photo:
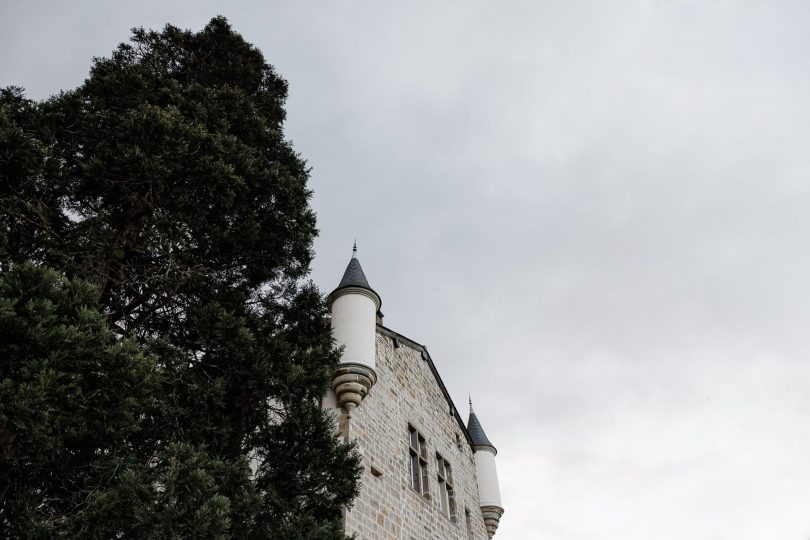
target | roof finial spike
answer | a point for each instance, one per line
(354, 249)
(471, 409)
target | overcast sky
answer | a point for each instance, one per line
(596, 215)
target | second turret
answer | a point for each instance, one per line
(489, 492)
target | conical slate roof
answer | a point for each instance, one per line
(354, 276)
(479, 438)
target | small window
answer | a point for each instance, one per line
(417, 463)
(468, 520)
(447, 495)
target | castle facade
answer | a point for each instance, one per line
(426, 475)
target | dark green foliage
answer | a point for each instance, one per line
(166, 184)
(183, 493)
(172, 157)
(73, 400)
(31, 221)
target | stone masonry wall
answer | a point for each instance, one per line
(388, 508)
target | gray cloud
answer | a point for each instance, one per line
(593, 213)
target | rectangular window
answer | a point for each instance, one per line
(468, 520)
(447, 495)
(417, 463)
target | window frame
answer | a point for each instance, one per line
(418, 476)
(447, 492)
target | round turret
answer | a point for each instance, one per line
(354, 306)
(489, 492)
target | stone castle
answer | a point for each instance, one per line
(426, 475)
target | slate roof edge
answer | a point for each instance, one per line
(426, 356)
(477, 433)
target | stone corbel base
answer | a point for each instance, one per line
(351, 383)
(492, 516)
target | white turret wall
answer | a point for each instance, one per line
(354, 324)
(488, 489)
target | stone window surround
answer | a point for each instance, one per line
(468, 520)
(418, 456)
(447, 496)
(426, 496)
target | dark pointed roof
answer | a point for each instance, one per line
(355, 277)
(479, 438)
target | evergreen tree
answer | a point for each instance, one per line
(73, 399)
(165, 182)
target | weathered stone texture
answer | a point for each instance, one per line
(388, 508)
